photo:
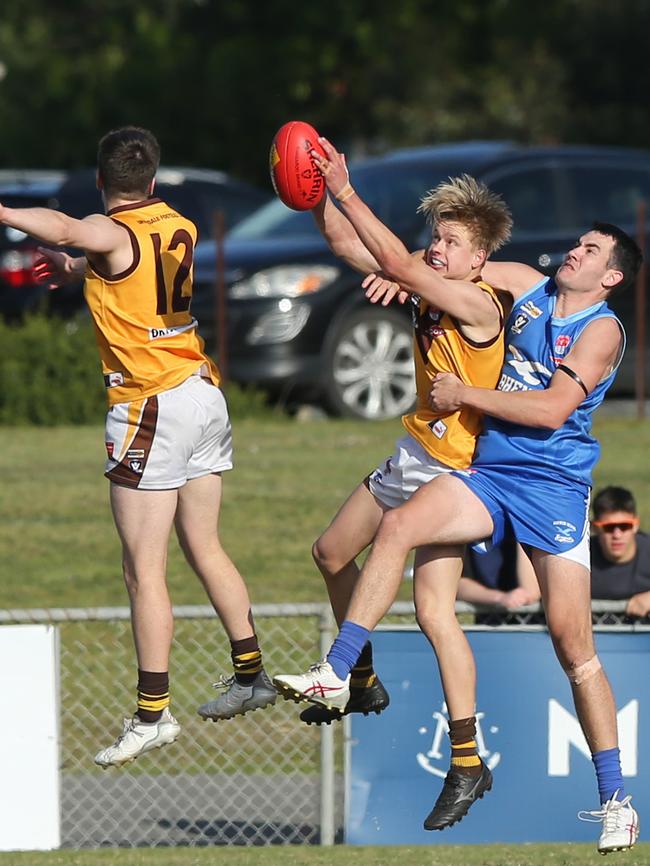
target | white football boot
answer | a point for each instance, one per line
(620, 824)
(137, 738)
(320, 685)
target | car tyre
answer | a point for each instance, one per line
(369, 371)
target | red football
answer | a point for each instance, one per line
(296, 179)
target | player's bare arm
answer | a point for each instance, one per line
(593, 357)
(463, 300)
(514, 278)
(95, 233)
(342, 238)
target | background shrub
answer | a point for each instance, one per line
(50, 375)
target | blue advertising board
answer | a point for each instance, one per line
(528, 734)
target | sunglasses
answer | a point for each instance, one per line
(622, 525)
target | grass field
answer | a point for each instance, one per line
(340, 855)
(58, 546)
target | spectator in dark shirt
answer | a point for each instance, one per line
(620, 552)
(504, 577)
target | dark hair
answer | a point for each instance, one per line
(625, 256)
(127, 161)
(613, 499)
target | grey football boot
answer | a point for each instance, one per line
(238, 698)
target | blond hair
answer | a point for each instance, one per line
(469, 202)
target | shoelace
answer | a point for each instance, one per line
(128, 725)
(224, 681)
(318, 667)
(609, 814)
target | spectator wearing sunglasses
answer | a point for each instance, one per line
(620, 552)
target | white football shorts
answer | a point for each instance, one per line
(411, 466)
(161, 442)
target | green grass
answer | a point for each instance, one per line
(340, 855)
(58, 546)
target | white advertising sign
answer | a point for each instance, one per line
(29, 744)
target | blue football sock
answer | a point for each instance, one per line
(608, 773)
(347, 647)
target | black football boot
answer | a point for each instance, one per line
(458, 793)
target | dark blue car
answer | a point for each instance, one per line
(297, 321)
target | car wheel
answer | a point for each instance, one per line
(369, 368)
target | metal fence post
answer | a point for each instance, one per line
(327, 767)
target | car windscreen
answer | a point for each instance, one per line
(392, 189)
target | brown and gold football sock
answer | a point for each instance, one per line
(246, 659)
(153, 695)
(363, 675)
(464, 753)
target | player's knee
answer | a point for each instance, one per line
(579, 673)
(434, 621)
(395, 528)
(321, 553)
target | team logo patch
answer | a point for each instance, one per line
(438, 428)
(110, 447)
(533, 311)
(114, 379)
(561, 344)
(519, 323)
(564, 532)
(136, 466)
(135, 454)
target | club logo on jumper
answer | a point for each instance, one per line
(438, 428)
(436, 760)
(114, 379)
(110, 447)
(161, 333)
(561, 344)
(136, 466)
(564, 532)
(530, 308)
(529, 373)
(519, 323)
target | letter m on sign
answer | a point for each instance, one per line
(564, 731)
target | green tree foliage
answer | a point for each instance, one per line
(216, 78)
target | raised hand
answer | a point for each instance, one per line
(334, 170)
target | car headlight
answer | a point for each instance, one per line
(285, 281)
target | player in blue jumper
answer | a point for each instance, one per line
(532, 469)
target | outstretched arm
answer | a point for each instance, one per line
(512, 277)
(593, 357)
(342, 238)
(96, 233)
(464, 300)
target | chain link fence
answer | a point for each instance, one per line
(261, 779)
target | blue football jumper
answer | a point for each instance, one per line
(539, 480)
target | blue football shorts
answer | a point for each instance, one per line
(545, 512)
